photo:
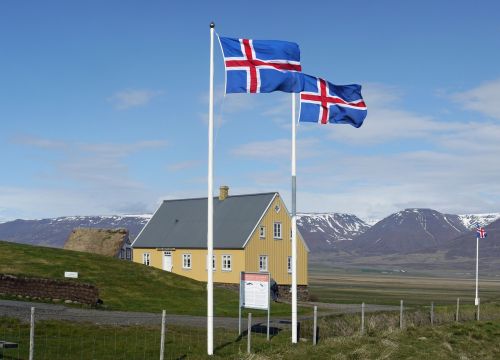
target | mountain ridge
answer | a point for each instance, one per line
(323, 231)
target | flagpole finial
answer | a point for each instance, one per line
(212, 25)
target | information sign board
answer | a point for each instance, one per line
(254, 290)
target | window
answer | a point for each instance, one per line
(277, 230)
(122, 253)
(277, 208)
(262, 232)
(289, 264)
(263, 263)
(226, 262)
(145, 259)
(128, 253)
(186, 261)
(213, 263)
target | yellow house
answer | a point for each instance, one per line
(252, 233)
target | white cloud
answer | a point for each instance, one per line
(278, 149)
(86, 179)
(45, 202)
(484, 99)
(128, 98)
(95, 166)
(183, 165)
(39, 142)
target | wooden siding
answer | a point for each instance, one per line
(276, 250)
(198, 269)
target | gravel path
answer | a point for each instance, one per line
(21, 310)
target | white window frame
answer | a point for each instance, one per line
(289, 265)
(213, 263)
(128, 253)
(262, 232)
(263, 263)
(186, 261)
(277, 234)
(146, 259)
(226, 262)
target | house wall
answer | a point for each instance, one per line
(277, 250)
(198, 269)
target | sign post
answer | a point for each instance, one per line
(255, 293)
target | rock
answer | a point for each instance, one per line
(68, 302)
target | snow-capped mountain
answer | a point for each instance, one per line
(323, 231)
(465, 245)
(54, 232)
(410, 230)
(470, 220)
(370, 220)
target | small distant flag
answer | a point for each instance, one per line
(323, 102)
(480, 232)
(261, 66)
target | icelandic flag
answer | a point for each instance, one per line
(323, 102)
(480, 232)
(261, 66)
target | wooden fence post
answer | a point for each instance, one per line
(32, 334)
(315, 335)
(401, 315)
(432, 313)
(249, 332)
(362, 318)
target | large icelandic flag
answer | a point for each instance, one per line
(323, 102)
(261, 66)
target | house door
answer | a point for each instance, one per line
(167, 260)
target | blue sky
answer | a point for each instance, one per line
(103, 106)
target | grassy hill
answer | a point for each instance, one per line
(123, 285)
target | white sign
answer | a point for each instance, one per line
(71, 274)
(254, 290)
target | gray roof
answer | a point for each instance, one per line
(183, 223)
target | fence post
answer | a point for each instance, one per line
(315, 324)
(432, 313)
(162, 341)
(362, 318)
(32, 334)
(458, 306)
(249, 332)
(401, 315)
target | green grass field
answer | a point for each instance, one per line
(339, 338)
(123, 285)
(129, 286)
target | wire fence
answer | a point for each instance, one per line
(131, 336)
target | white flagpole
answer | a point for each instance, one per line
(476, 302)
(294, 229)
(210, 201)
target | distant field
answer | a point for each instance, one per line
(376, 286)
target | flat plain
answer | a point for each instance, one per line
(388, 286)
